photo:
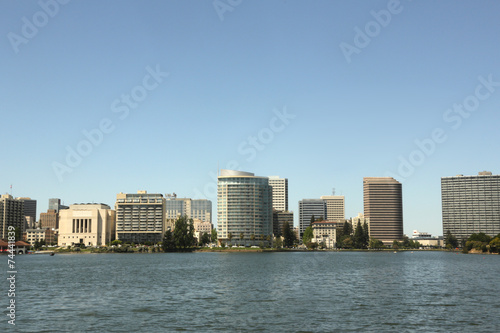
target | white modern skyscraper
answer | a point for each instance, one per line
(280, 193)
(244, 207)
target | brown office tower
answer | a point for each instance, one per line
(383, 204)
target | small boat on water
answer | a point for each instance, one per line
(52, 253)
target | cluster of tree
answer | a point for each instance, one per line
(406, 244)
(482, 242)
(451, 242)
(349, 238)
(182, 238)
(38, 244)
(289, 236)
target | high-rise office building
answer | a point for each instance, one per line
(50, 219)
(55, 204)
(309, 208)
(335, 207)
(29, 207)
(200, 209)
(279, 219)
(11, 214)
(244, 207)
(87, 224)
(383, 206)
(140, 217)
(280, 193)
(471, 204)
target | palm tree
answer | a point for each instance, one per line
(241, 237)
(230, 236)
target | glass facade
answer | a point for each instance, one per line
(244, 208)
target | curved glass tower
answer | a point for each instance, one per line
(244, 208)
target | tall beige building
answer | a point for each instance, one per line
(87, 224)
(383, 205)
(280, 193)
(335, 207)
(200, 209)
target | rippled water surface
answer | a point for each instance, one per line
(272, 292)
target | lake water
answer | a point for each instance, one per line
(247, 292)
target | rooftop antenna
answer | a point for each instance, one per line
(10, 189)
(218, 169)
(333, 191)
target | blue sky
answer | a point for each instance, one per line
(69, 68)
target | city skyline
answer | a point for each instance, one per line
(157, 96)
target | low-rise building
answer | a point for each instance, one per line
(45, 234)
(325, 232)
(88, 224)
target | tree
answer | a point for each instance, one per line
(214, 236)
(359, 237)
(252, 237)
(230, 236)
(308, 235)
(168, 244)
(116, 242)
(205, 239)
(288, 235)
(17, 234)
(347, 229)
(183, 233)
(396, 244)
(242, 235)
(376, 244)
(450, 240)
(366, 234)
(278, 243)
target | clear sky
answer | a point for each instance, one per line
(323, 93)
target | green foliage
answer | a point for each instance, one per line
(450, 241)
(17, 234)
(289, 236)
(116, 242)
(347, 242)
(480, 237)
(308, 235)
(183, 233)
(168, 244)
(495, 245)
(230, 237)
(278, 243)
(396, 244)
(376, 244)
(359, 239)
(205, 239)
(214, 236)
(347, 229)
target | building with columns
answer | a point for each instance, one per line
(87, 224)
